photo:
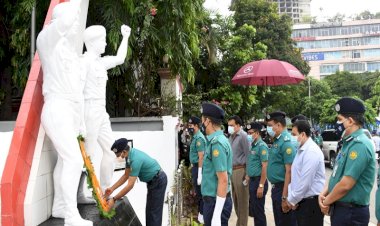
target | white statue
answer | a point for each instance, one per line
(98, 125)
(60, 117)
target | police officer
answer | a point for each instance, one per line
(257, 171)
(147, 169)
(293, 120)
(197, 148)
(281, 155)
(377, 202)
(351, 182)
(217, 168)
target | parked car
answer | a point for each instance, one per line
(332, 145)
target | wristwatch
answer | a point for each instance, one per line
(261, 185)
(284, 198)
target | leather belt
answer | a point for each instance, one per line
(279, 184)
(309, 198)
(238, 167)
(213, 199)
(155, 176)
(349, 205)
(255, 178)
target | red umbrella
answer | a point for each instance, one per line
(267, 73)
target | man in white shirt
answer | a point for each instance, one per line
(308, 177)
(98, 125)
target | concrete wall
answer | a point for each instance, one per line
(159, 144)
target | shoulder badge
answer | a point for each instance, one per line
(289, 151)
(215, 153)
(198, 143)
(263, 152)
(353, 155)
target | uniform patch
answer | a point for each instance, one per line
(263, 152)
(215, 153)
(353, 155)
(289, 151)
(198, 143)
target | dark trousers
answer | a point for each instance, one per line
(197, 188)
(350, 216)
(155, 199)
(308, 212)
(256, 205)
(208, 210)
(281, 218)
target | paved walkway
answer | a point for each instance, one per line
(270, 216)
(268, 212)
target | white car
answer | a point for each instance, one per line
(331, 145)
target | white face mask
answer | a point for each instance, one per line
(231, 129)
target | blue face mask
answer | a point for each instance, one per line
(231, 130)
(295, 142)
(250, 139)
(270, 131)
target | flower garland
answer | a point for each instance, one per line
(93, 184)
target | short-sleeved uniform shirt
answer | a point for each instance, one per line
(198, 144)
(357, 160)
(377, 205)
(142, 165)
(281, 152)
(217, 158)
(257, 155)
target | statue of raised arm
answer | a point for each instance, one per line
(99, 137)
(60, 116)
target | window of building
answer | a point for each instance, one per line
(354, 67)
(373, 66)
(328, 68)
(355, 54)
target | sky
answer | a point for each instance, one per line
(330, 7)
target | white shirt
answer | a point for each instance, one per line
(376, 139)
(307, 174)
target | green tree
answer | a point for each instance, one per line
(350, 84)
(328, 114)
(365, 15)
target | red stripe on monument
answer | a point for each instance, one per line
(19, 160)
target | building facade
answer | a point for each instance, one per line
(352, 46)
(298, 10)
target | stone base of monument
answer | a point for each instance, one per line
(125, 216)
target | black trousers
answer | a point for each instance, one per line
(155, 199)
(308, 212)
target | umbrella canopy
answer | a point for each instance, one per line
(267, 73)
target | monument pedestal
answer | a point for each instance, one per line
(125, 216)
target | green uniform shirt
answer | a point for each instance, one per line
(377, 205)
(198, 144)
(281, 152)
(217, 158)
(257, 155)
(357, 160)
(142, 165)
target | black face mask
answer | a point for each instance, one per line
(203, 129)
(339, 128)
(191, 131)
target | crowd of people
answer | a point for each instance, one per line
(236, 170)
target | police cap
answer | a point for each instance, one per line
(119, 145)
(298, 118)
(254, 126)
(194, 120)
(213, 111)
(275, 115)
(349, 105)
